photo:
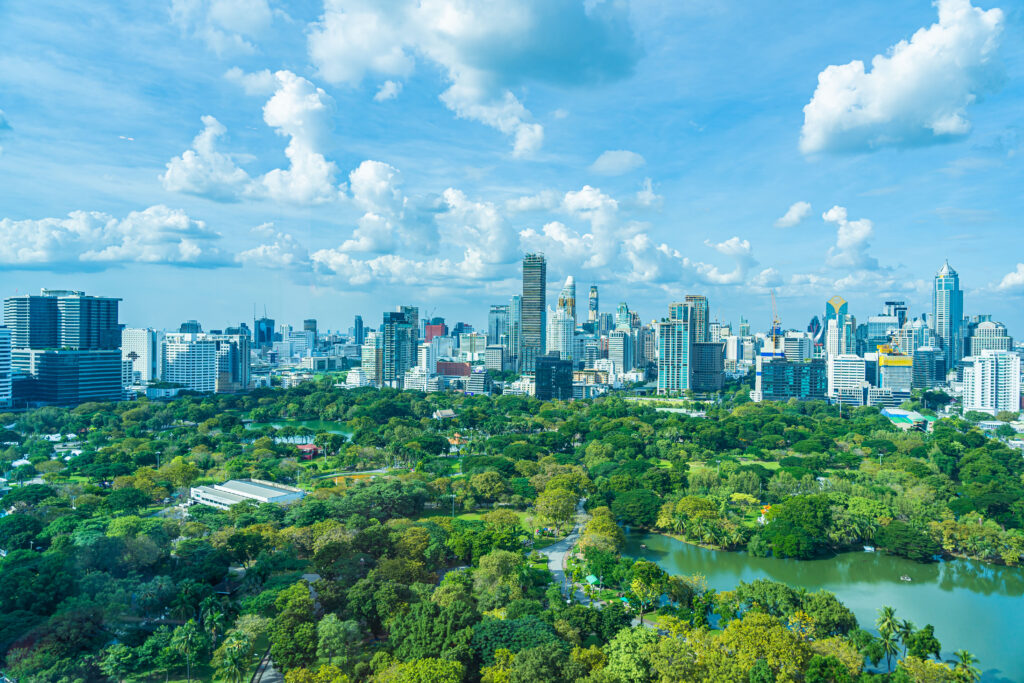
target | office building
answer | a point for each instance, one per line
(426, 357)
(593, 307)
(190, 327)
(675, 342)
(846, 378)
(495, 357)
(782, 379)
(797, 346)
(948, 313)
(926, 367)
(992, 382)
(358, 333)
(190, 360)
(620, 350)
(141, 347)
(65, 347)
(836, 309)
(6, 378)
(234, 361)
(708, 366)
(515, 331)
(552, 378)
(561, 330)
(263, 332)
(223, 496)
(372, 358)
(567, 299)
(533, 310)
(986, 335)
(698, 317)
(497, 323)
(309, 326)
(399, 344)
(895, 370)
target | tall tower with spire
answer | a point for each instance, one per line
(948, 313)
(567, 298)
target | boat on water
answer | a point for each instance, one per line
(643, 546)
(905, 578)
(869, 548)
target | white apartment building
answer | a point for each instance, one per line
(992, 382)
(141, 346)
(846, 377)
(190, 360)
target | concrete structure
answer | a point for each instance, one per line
(992, 382)
(553, 378)
(223, 496)
(593, 305)
(141, 347)
(948, 313)
(846, 378)
(371, 358)
(533, 324)
(567, 299)
(986, 335)
(497, 323)
(495, 358)
(707, 362)
(895, 370)
(699, 313)
(561, 330)
(675, 342)
(6, 395)
(783, 379)
(620, 350)
(797, 346)
(190, 360)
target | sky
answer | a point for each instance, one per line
(202, 159)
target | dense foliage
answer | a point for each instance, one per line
(428, 572)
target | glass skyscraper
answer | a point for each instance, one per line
(533, 314)
(948, 313)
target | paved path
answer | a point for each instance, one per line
(266, 673)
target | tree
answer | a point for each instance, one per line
(890, 644)
(18, 531)
(233, 657)
(637, 507)
(648, 583)
(335, 637)
(188, 642)
(118, 662)
(556, 506)
(923, 644)
(426, 670)
(965, 665)
(629, 654)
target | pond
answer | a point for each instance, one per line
(972, 605)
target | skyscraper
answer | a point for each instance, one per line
(515, 331)
(835, 309)
(567, 299)
(142, 347)
(497, 323)
(399, 346)
(309, 325)
(6, 397)
(560, 334)
(948, 313)
(593, 308)
(992, 382)
(263, 330)
(358, 332)
(675, 343)
(534, 319)
(699, 317)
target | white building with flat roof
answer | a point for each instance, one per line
(223, 496)
(5, 367)
(992, 382)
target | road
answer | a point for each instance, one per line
(558, 553)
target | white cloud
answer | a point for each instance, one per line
(617, 162)
(476, 226)
(376, 187)
(485, 50)
(284, 253)
(256, 83)
(557, 237)
(297, 110)
(388, 91)
(794, 214)
(918, 93)
(545, 200)
(739, 250)
(850, 250)
(88, 240)
(224, 25)
(1012, 281)
(646, 196)
(204, 171)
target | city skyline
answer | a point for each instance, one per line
(283, 170)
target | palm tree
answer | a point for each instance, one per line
(887, 622)
(890, 646)
(187, 640)
(906, 630)
(965, 664)
(236, 653)
(214, 619)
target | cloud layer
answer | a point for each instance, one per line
(918, 93)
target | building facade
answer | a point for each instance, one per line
(992, 382)
(533, 329)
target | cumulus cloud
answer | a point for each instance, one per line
(646, 196)
(284, 252)
(739, 250)
(617, 162)
(256, 83)
(297, 110)
(388, 91)
(205, 171)
(918, 93)
(485, 49)
(850, 250)
(226, 26)
(1012, 281)
(89, 240)
(794, 214)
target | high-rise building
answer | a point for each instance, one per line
(987, 335)
(399, 344)
(836, 309)
(263, 332)
(65, 347)
(797, 346)
(533, 309)
(190, 327)
(412, 316)
(992, 382)
(593, 308)
(515, 330)
(372, 358)
(620, 350)
(358, 333)
(234, 361)
(552, 378)
(567, 299)
(895, 370)
(926, 360)
(707, 360)
(497, 323)
(494, 357)
(190, 359)
(605, 323)
(309, 325)
(846, 378)
(782, 379)
(675, 345)
(898, 310)
(426, 357)
(141, 347)
(948, 313)
(6, 395)
(561, 330)
(623, 319)
(699, 317)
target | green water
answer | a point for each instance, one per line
(972, 605)
(315, 425)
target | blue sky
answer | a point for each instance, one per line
(200, 157)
